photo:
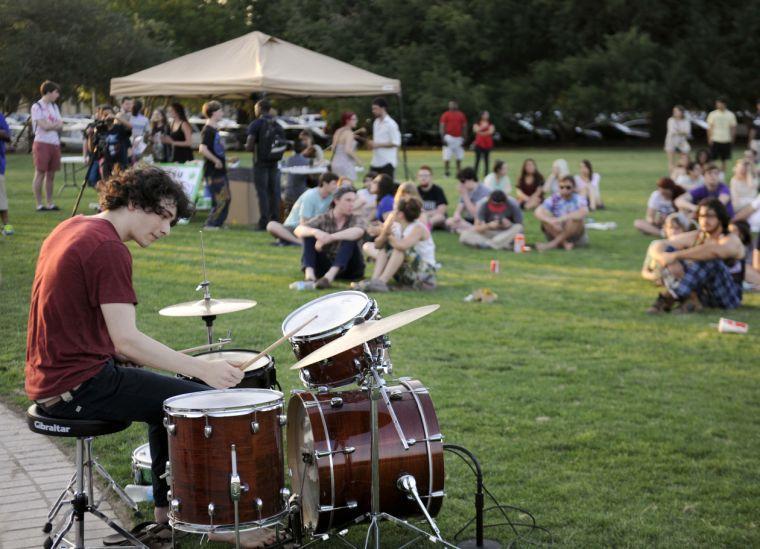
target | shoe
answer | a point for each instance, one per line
(376, 285)
(663, 304)
(322, 283)
(41, 208)
(8, 230)
(52, 208)
(211, 228)
(361, 285)
(689, 305)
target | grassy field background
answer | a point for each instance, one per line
(612, 427)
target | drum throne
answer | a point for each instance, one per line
(80, 488)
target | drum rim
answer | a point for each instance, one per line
(210, 412)
(334, 330)
(136, 461)
(224, 528)
(254, 352)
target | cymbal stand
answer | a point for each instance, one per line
(205, 285)
(406, 483)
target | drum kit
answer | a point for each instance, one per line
(360, 446)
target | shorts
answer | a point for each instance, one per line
(720, 151)
(416, 273)
(47, 157)
(453, 146)
(677, 145)
(3, 194)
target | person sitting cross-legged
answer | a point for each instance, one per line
(498, 221)
(330, 242)
(702, 267)
(470, 194)
(562, 217)
(410, 257)
(311, 203)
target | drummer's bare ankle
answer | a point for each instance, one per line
(161, 514)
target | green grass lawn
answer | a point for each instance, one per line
(612, 427)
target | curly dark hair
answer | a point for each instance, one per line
(145, 188)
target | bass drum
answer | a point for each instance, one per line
(329, 454)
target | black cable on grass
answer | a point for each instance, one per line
(469, 459)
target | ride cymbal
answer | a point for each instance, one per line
(364, 332)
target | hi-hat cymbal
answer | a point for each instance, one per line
(209, 307)
(366, 331)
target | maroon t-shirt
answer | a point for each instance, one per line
(82, 264)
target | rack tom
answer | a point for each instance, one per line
(337, 313)
(203, 429)
(329, 454)
(259, 375)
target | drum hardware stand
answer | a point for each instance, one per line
(376, 388)
(235, 490)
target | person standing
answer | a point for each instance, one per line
(344, 160)
(721, 132)
(483, 130)
(46, 123)
(5, 136)
(453, 129)
(386, 139)
(677, 138)
(754, 131)
(215, 167)
(264, 138)
(180, 134)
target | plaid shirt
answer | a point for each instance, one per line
(326, 223)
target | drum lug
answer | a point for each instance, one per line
(167, 471)
(347, 450)
(283, 419)
(411, 441)
(211, 510)
(254, 427)
(175, 506)
(396, 394)
(322, 389)
(350, 504)
(336, 402)
(170, 427)
(305, 374)
(207, 431)
(285, 493)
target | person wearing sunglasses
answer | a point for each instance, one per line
(562, 217)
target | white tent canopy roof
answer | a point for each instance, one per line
(255, 62)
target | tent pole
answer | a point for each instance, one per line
(401, 125)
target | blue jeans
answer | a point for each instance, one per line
(349, 259)
(267, 182)
(219, 187)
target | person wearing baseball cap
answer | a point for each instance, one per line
(498, 221)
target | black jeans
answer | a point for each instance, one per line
(481, 153)
(130, 394)
(349, 259)
(387, 168)
(267, 182)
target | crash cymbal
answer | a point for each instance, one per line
(366, 331)
(208, 307)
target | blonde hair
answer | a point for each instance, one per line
(562, 167)
(406, 190)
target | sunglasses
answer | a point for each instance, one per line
(565, 187)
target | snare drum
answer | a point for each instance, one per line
(329, 454)
(259, 375)
(141, 461)
(212, 433)
(337, 313)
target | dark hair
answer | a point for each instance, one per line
(380, 102)
(263, 106)
(482, 115)
(466, 174)
(497, 196)
(497, 165)
(569, 178)
(720, 210)
(327, 177)
(745, 233)
(164, 121)
(720, 100)
(137, 108)
(49, 86)
(298, 146)
(339, 194)
(210, 107)
(701, 152)
(670, 185)
(426, 167)
(411, 207)
(126, 98)
(690, 166)
(180, 110)
(538, 178)
(711, 167)
(145, 188)
(385, 185)
(588, 165)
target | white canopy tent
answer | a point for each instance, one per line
(255, 62)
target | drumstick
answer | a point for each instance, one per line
(290, 334)
(206, 347)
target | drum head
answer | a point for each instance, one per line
(141, 456)
(334, 310)
(229, 402)
(305, 475)
(237, 357)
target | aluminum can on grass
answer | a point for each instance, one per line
(495, 268)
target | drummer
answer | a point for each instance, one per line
(82, 318)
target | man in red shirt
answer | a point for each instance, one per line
(453, 129)
(82, 318)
